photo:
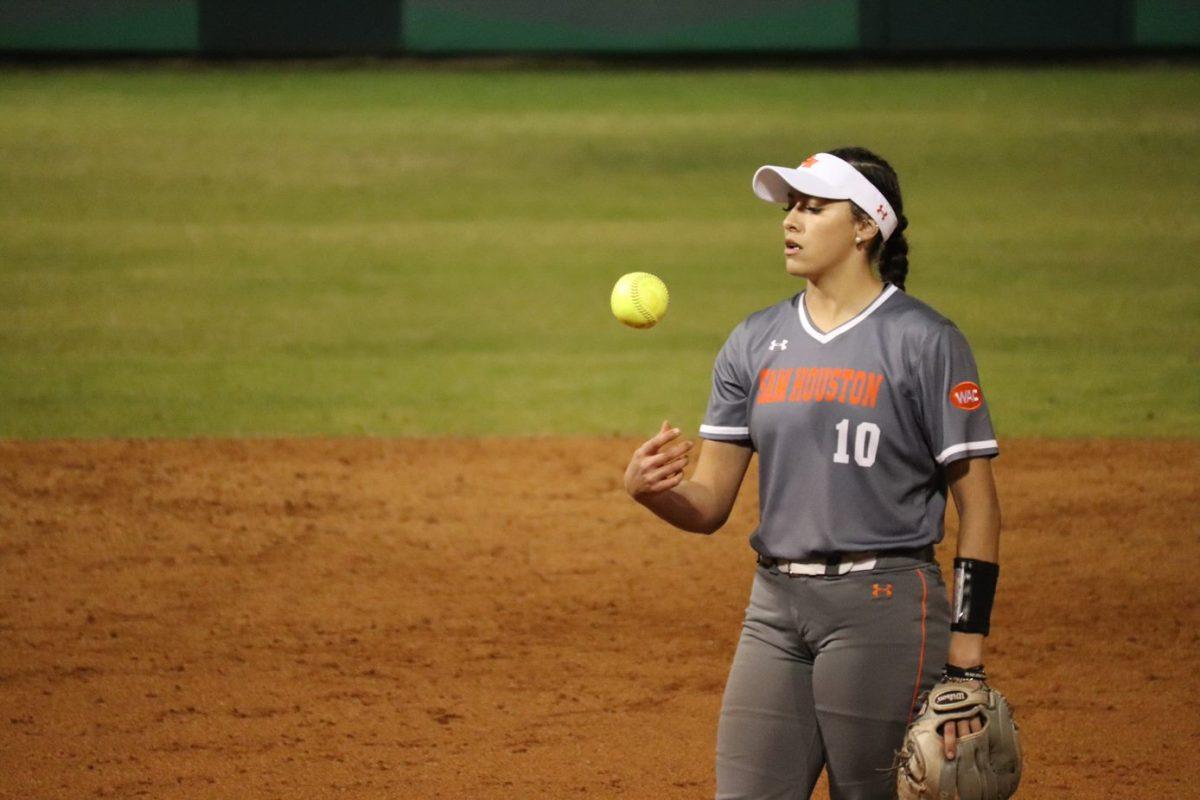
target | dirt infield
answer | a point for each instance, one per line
(495, 619)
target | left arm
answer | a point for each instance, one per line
(974, 490)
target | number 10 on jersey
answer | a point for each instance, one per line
(866, 443)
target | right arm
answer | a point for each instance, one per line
(700, 504)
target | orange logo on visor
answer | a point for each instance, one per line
(967, 396)
(808, 162)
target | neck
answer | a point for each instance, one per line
(839, 294)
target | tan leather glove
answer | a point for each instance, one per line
(988, 765)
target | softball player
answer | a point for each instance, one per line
(864, 407)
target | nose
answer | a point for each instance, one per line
(793, 218)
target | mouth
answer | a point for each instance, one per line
(790, 247)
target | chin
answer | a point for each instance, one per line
(796, 270)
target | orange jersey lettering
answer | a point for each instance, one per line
(854, 387)
(773, 385)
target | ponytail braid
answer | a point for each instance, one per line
(890, 257)
(893, 256)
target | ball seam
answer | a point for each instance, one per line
(637, 303)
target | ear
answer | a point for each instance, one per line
(866, 228)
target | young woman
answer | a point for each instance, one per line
(864, 407)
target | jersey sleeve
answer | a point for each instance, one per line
(954, 410)
(727, 418)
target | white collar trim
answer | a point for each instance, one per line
(823, 338)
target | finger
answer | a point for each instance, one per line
(655, 461)
(664, 475)
(666, 470)
(680, 448)
(655, 441)
(976, 724)
(663, 456)
(950, 740)
(665, 435)
(668, 483)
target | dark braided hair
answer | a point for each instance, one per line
(891, 257)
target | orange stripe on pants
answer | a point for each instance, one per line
(921, 657)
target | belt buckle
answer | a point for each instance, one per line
(845, 563)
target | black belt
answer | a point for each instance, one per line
(833, 561)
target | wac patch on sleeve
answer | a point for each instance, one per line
(967, 396)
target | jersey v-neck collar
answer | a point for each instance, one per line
(824, 338)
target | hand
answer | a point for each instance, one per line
(954, 730)
(965, 648)
(655, 467)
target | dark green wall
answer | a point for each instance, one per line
(1166, 23)
(147, 26)
(307, 27)
(434, 26)
(995, 25)
(392, 27)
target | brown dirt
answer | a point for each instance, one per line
(495, 619)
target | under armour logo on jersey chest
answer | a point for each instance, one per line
(778, 344)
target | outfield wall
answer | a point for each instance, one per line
(444, 27)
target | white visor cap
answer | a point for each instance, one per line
(828, 177)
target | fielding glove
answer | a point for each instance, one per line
(988, 762)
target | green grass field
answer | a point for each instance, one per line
(403, 250)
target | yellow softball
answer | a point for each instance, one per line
(639, 299)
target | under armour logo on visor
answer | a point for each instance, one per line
(882, 214)
(778, 345)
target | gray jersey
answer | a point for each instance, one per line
(852, 427)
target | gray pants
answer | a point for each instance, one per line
(826, 674)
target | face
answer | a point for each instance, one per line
(818, 234)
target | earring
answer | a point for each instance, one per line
(858, 240)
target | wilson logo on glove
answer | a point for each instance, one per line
(950, 697)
